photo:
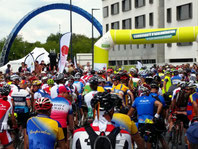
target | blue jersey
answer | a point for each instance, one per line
(175, 79)
(161, 98)
(145, 108)
(43, 132)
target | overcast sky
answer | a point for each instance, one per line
(41, 26)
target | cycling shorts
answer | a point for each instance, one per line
(5, 138)
(184, 119)
(22, 119)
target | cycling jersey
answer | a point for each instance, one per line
(43, 132)
(168, 84)
(20, 97)
(190, 111)
(161, 98)
(60, 110)
(81, 138)
(54, 90)
(175, 79)
(79, 85)
(88, 98)
(5, 109)
(100, 89)
(124, 122)
(145, 108)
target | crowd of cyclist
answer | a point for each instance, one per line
(100, 109)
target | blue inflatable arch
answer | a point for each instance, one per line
(29, 16)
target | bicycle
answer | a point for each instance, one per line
(175, 131)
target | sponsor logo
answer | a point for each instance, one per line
(166, 34)
(105, 46)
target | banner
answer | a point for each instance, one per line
(64, 49)
(29, 60)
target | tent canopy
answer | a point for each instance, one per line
(38, 54)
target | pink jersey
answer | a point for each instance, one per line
(60, 110)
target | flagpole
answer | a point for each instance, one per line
(71, 56)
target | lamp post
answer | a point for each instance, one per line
(92, 30)
(71, 30)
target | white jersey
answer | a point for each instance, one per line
(88, 97)
(174, 92)
(81, 138)
(54, 90)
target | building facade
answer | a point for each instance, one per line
(150, 14)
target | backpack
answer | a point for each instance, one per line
(102, 141)
(44, 94)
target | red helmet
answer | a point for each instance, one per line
(43, 104)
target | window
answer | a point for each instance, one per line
(144, 45)
(140, 21)
(126, 5)
(105, 11)
(184, 12)
(152, 45)
(184, 44)
(125, 62)
(139, 3)
(112, 63)
(150, 1)
(181, 60)
(169, 15)
(169, 44)
(115, 8)
(124, 47)
(151, 19)
(119, 63)
(115, 25)
(126, 24)
(138, 46)
(107, 27)
(144, 61)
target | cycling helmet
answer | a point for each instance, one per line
(44, 78)
(143, 89)
(14, 77)
(50, 82)
(100, 79)
(5, 90)
(77, 75)
(133, 70)
(143, 73)
(36, 82)
(180, 70)
(93, 80)
(191, 85)
(154, 85)
(116, 78)
(124, 76)
(43, 104)
(105, 101)
(59, 76)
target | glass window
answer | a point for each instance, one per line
(139, 3)
(126, 24)
(140, 21)
(126, 5)
(184, 44)
(125, 62)
(115, 25)
(105, 11)
(184, 12)
(151, 19)
(169, 15)
(112, 63)
(169, 44)
(115, 8)
(151, 1)
(107, 27)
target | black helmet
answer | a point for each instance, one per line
(93, 80)
(106, 101)
(5, 90)
(59, 76)
(154, 85)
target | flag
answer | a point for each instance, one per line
(64, 49)
(29, 60)
(139, 65)
(75, 62)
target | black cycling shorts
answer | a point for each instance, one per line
(22, 119)
(184, 119)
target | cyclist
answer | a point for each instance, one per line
(59, 79)
(6, 108)
(101, 84)
(62, 110)
(89, 96)
(104, 103)
(145, 108)
(175, 78)
(167, 82)
(50, 83)
(42, 131)
(15, 82)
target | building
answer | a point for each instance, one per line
(150, 14)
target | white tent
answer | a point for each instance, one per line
(38, 54)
